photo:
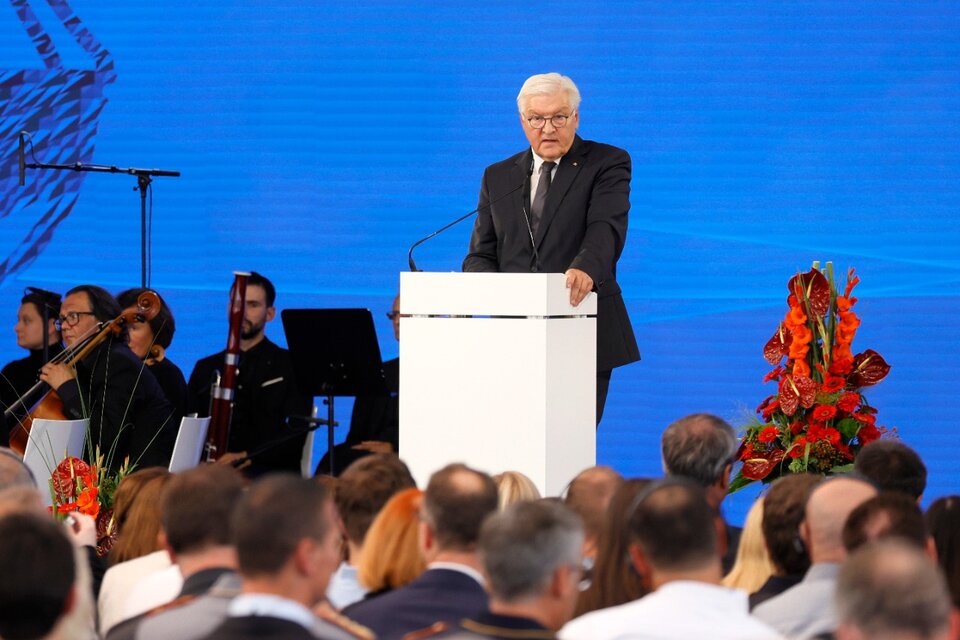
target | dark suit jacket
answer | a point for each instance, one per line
(126, 407)
(584, 226)
(259, 628)
(439, 595)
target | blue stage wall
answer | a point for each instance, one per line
(318, 140)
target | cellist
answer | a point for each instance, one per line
(129, 414)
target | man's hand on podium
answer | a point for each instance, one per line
(580, 284)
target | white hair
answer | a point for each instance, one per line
(547, 84)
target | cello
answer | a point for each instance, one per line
(50, 406)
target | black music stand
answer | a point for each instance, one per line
(335, 353)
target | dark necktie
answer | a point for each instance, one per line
(540, 198)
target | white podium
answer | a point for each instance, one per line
(497, 371)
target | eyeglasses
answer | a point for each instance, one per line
(558, 121)
(393, 315)
(71, 319)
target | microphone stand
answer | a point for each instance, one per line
(144, 178)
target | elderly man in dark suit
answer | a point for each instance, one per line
(570, 217)
(455, 504)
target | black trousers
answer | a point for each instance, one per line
(603, 385)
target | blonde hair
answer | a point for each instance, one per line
(513, 486)
(753, 566)
(391, 555)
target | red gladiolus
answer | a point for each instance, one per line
(868, 433)
(833, 383)
(770, 408)
(797, 427)
(773, 375)
(865, 418)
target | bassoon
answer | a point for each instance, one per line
(222, 393)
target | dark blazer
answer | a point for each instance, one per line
(259, 628)
(126, 407)
(584, 226)
(439, 595)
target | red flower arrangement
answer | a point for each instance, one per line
(818, 420)
(78, 486)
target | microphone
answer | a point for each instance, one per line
(413, 265)
(22, 165)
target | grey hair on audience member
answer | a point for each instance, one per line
(698, 447)
(13, 472)
(547, 84)
(888, 587)
(521, 546)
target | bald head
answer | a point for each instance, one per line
(455, 503)
(827, 510)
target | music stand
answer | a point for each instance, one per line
(335, 353)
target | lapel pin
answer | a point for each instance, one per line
(575, 163)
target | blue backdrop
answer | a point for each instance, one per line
(318, 140)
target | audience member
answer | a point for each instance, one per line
(39, 569)
(391, 555)
(362, 490)
(889, 590)
(531, 555)
(589, 496)
(783, 508)
(614, 580)
(806, 610)
(455, 503)
(195, 513)
(288, 546)
(887, 515)
(702, 448)
(137, 552)
(13, 472)
(752, 568)
(892, 466)
(675, 547)
(513, 486)
(943, 524)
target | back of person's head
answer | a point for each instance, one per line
(522, 546)
(783, 511)
(455, 504)
(391, 554)
(196, 506)
(698, 447)
(137, 514)
(890, 589)
(13, 472)
(103, 305)
(37, 562)
(259, 280)
(674, 527)
(752, 566)
(365, 486)
(892, 466)
(886, 515)
(943, 524)
(589, 496)
(827, 509)
(513, 486)
(614, 579)
(162, 324)
(271, 519)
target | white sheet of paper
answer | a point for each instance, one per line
(49, 443)
(189, 445)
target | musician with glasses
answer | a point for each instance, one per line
(18, 376)
(571, 216)
(128, 412)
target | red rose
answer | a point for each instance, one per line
(768, 434)
(824, 412)
(848, 402)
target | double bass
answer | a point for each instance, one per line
(50, 406)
